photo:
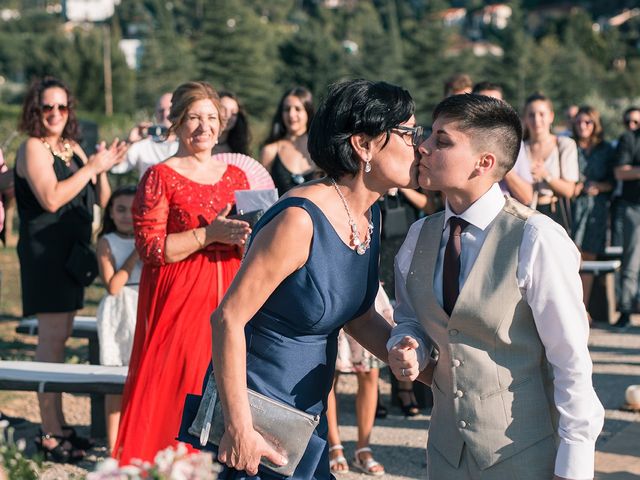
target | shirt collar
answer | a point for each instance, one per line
(482, 212)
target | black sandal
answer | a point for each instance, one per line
(410, 408)
(81, 443)
(59, 454)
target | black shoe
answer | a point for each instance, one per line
(81, 443)
(63, 452)
(623, 322)
(410, 407)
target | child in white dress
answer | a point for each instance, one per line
(120, 271)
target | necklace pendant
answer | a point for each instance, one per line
(361, 249)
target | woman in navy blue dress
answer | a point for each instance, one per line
(311, 269)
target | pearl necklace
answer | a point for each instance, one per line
(361, 247)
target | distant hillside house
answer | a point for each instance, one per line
(132, 50)
(453, 17)
(496, 15)
(89, 10)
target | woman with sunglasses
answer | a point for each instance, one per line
(56, 187)
(311, 268)
(591, 205)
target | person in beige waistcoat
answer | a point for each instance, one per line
(489, 291)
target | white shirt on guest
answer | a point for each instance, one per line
(548, 277)
(144, 154)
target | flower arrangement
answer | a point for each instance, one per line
(13, 463)
(172, 463)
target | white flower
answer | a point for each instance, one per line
(164, 459)
(21, 444)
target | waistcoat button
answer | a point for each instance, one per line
(456, 362)
(462, 424)
(459, 393)
(453, 332)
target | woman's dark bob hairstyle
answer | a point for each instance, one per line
(352, 107)
(31, 118)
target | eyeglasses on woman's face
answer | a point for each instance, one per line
(417, 134)
(48, 108)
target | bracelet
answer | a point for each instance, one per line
(195, 235)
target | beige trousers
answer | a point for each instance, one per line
(534, 463)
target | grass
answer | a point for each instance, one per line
(14, 346)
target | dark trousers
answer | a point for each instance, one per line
(630, 259)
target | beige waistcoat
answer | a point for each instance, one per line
(492, 386)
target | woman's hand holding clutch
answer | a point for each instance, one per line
(243, 450)
(224, 230)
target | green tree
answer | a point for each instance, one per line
(511, 70)
(313, 58)
(167, 61)
(236, 51)
(426, 59)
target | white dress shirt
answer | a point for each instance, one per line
(145, 154)
(548, 277)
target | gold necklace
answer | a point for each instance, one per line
(65, 155)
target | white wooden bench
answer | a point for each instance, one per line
(61, 377)
(602, 304)
(96, 380)
(83, 327)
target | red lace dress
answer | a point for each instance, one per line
(172, 344)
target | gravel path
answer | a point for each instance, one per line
(397, 442)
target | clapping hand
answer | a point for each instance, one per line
(403, 359)
(106, 157)
(225, 230)
(243, 451)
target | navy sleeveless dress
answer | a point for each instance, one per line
(292, 340)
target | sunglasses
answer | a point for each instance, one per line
(49, 108)
(417, 134)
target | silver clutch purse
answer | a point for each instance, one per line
(285, 428)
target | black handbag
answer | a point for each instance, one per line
(82, 264)
(251, 217)
(395, 215)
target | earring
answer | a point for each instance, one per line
(367, 166)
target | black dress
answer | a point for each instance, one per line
(284, 179)
(45, 244)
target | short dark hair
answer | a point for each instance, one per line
(625, 114)
(31, 118)
(352, 107)
(484, 86)
(278, 130)
(494, 123)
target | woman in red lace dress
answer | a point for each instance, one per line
(190, 252)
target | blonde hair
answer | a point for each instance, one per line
(186, 95)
